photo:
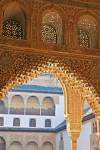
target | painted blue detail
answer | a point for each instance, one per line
(12, 129)
(37, 88)
(61, 126)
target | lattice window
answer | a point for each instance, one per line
(12, 29)
(47, 123)
(16, 122)
(49, 34)
(87, 31)
(32, 123)
(83, 39)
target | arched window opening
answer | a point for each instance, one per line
(47, 123)
(12, 29)
(2, 144)
(33, 106)
(32, 146)
(52, 28)
(87, 32)
(16, 122)
(14, 22)
(32, 123)
(48, 107)
(1, 121)
(15, 146)
(17, 105)
(47, 146)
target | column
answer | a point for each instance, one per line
(74, 144)
(74, 133)
(74, 115)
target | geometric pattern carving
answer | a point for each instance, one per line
(12, 29)
(49, 34)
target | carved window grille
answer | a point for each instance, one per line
(32, 123)
(87, 34)
(12, 29)
(47, 123)
(83, 39)
(49, 34)
(16, 122)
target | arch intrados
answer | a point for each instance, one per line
(53, 12)
(9, 11)
(32, 142)
(88, 18)
(33, 98)
(17, 96)
(48, 9)
(47, 142)
(15, 142)
(22, 5)
(91, 16)
(48, 97)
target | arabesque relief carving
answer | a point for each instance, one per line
(77, 68)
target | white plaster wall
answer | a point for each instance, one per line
(66, 138)
(24, 120)
(59, 111)
(84, 139)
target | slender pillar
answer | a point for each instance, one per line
(74, 114)
(74, 137)
(74, 145)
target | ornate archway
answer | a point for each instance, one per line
(71, 71)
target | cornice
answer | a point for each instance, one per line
(89, 54)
